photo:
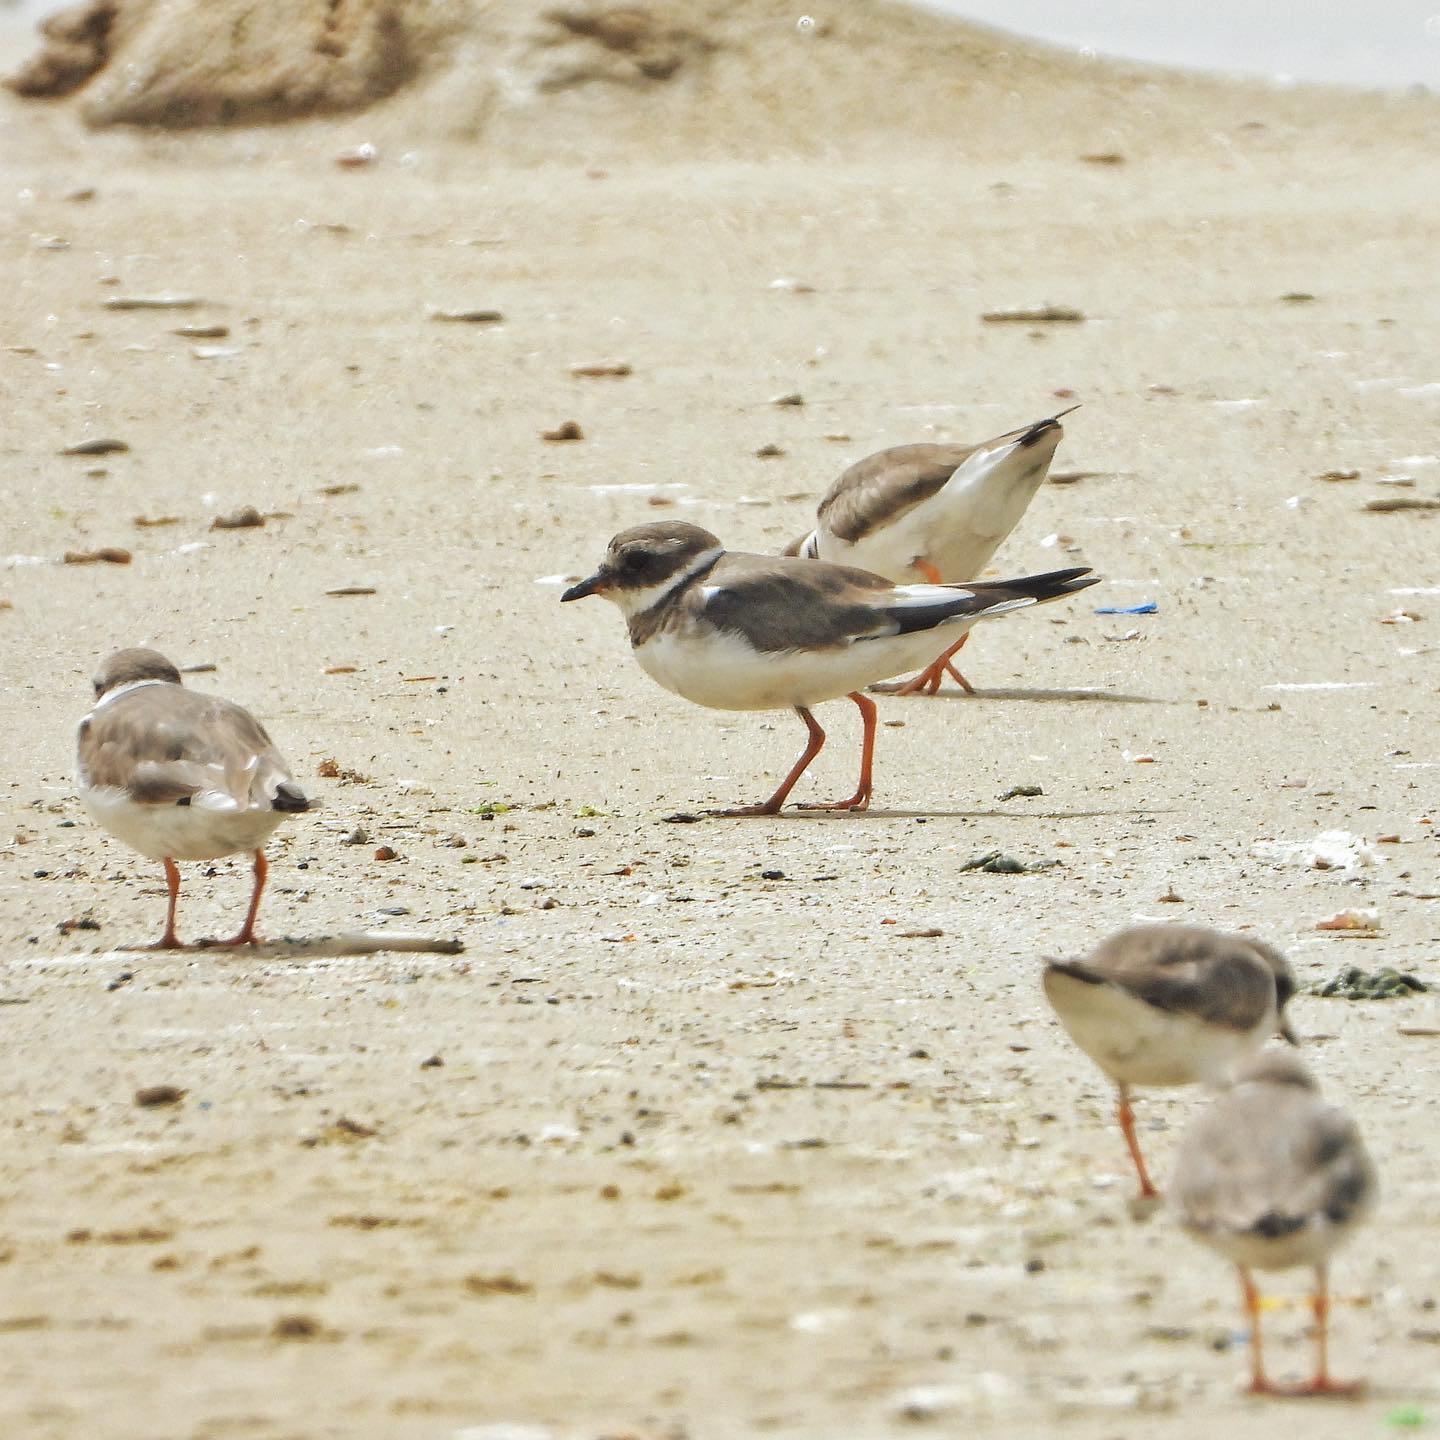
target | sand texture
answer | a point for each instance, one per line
(739, 1127)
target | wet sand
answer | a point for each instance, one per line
(709, 1154)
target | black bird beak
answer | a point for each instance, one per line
(592, 585)
(1287, 1030)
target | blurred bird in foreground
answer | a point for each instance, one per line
(1170, 1005)
(1271, 1177)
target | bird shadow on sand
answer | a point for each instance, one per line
(310, 947)
(859, 816)
(1078, 695)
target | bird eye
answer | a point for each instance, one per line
(631, 562)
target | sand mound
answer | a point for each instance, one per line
(625, 45)
(214, 62)
(587, 81)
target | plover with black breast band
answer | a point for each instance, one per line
(735, 631)
(1170, 1005)
(935, 513)
(180, 776)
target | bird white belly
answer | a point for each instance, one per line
(1310, 1245)
(721, 671)
(182, 832)
(958, 529)
(1136, 1044)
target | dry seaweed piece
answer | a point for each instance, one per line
(1353, 983)
(164, 301)
(1036, 315)
(106, 555)
(602, 368)
(1386, 504)
(468, 317)
(96, 447)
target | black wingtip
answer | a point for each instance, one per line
(1056, 582)
(290, 798)
(1041, 428)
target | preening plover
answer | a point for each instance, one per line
(935, 513)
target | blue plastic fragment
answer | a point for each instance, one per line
(1148, 608)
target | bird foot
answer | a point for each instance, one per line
(927, 682)
(740, 812)
(1145, 1204)
(855, 804)
(922, 684)
(245, 937)
(1321, 1387)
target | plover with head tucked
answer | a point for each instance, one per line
(1170, 1005)
(180, 776)
(762, 632)
(935, 513)
(1272, 1177)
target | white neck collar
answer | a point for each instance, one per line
(129, 685)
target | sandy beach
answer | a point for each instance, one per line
(738, 1127)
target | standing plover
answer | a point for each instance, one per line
(935, 513)
(180, 776)
(763, 632)
(1170, 1005)
(1271, 1177)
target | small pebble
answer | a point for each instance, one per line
(151, 1096)
(245, 518)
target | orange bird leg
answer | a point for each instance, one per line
(860, 800)
(1259, 1385)
(1322, 1384)
(247, 930)
(928, 680)
(169, 940)
(813, 743)
(1126, 1116)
